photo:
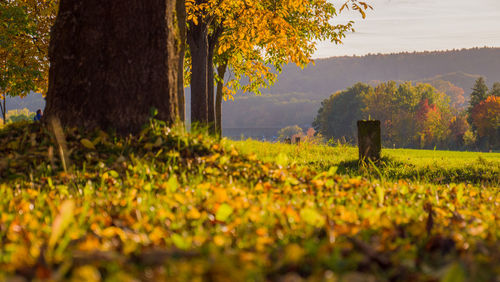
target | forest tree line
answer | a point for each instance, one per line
(452, 72)
(415, 115)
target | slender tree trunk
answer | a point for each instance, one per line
(221, 71)
(181, 17)
(211, 86)
(197, 37)
(4, 109)
(112, 61)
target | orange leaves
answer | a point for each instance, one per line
(486, 116)
(356, 5)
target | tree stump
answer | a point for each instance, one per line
(369, 141)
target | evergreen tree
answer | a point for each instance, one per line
(479, 93)
(495, 90)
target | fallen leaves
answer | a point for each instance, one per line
(260, 220)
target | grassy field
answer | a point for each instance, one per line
(431, 166)
(166, 205)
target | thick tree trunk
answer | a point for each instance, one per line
(221, 71)
(112, 61)
(197, 37)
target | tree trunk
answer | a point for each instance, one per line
(197, 37)
(221, 71)
(211, 86)
(181, 17)
(112, 61)
(4, 109)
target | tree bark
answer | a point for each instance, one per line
(197, 37)
(221, 71)
(4, 109)
(181, 18)
(211, 81)
(112, 61)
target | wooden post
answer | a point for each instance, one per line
(369, 141)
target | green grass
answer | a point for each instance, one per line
(430, 166)
(168, 205)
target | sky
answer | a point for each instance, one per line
(418, 25)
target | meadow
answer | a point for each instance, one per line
(426, 166)
(167, 205)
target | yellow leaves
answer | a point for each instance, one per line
(89, 244)
(318, 183)
(312, 217)
(262, 231)
(157, 235)
(219, 240)
(234, 153)
(172, 184)
(21, 258)
(293, 253)
(180, 198)
(87, 144)
(181, 242)
(223, 212)
(293, 216)
(220, 195)
(113, 231)
(86, 273)
(193, 213)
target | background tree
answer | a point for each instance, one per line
(280, 31)
(104, 75)
(432, 129)
(41, 14)
(479, 94)
(486, 119)
(19, 115)
(411, 115)
(19, 67)
(458, 129)
(289, 132)
(338, 114)
(456, 94)
(495, 90)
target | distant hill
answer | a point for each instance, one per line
(316, 82)
(298, 93)
(460, 79)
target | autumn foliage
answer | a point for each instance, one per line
(416, 116)
(486, 118)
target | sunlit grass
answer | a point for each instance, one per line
(433, 166)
